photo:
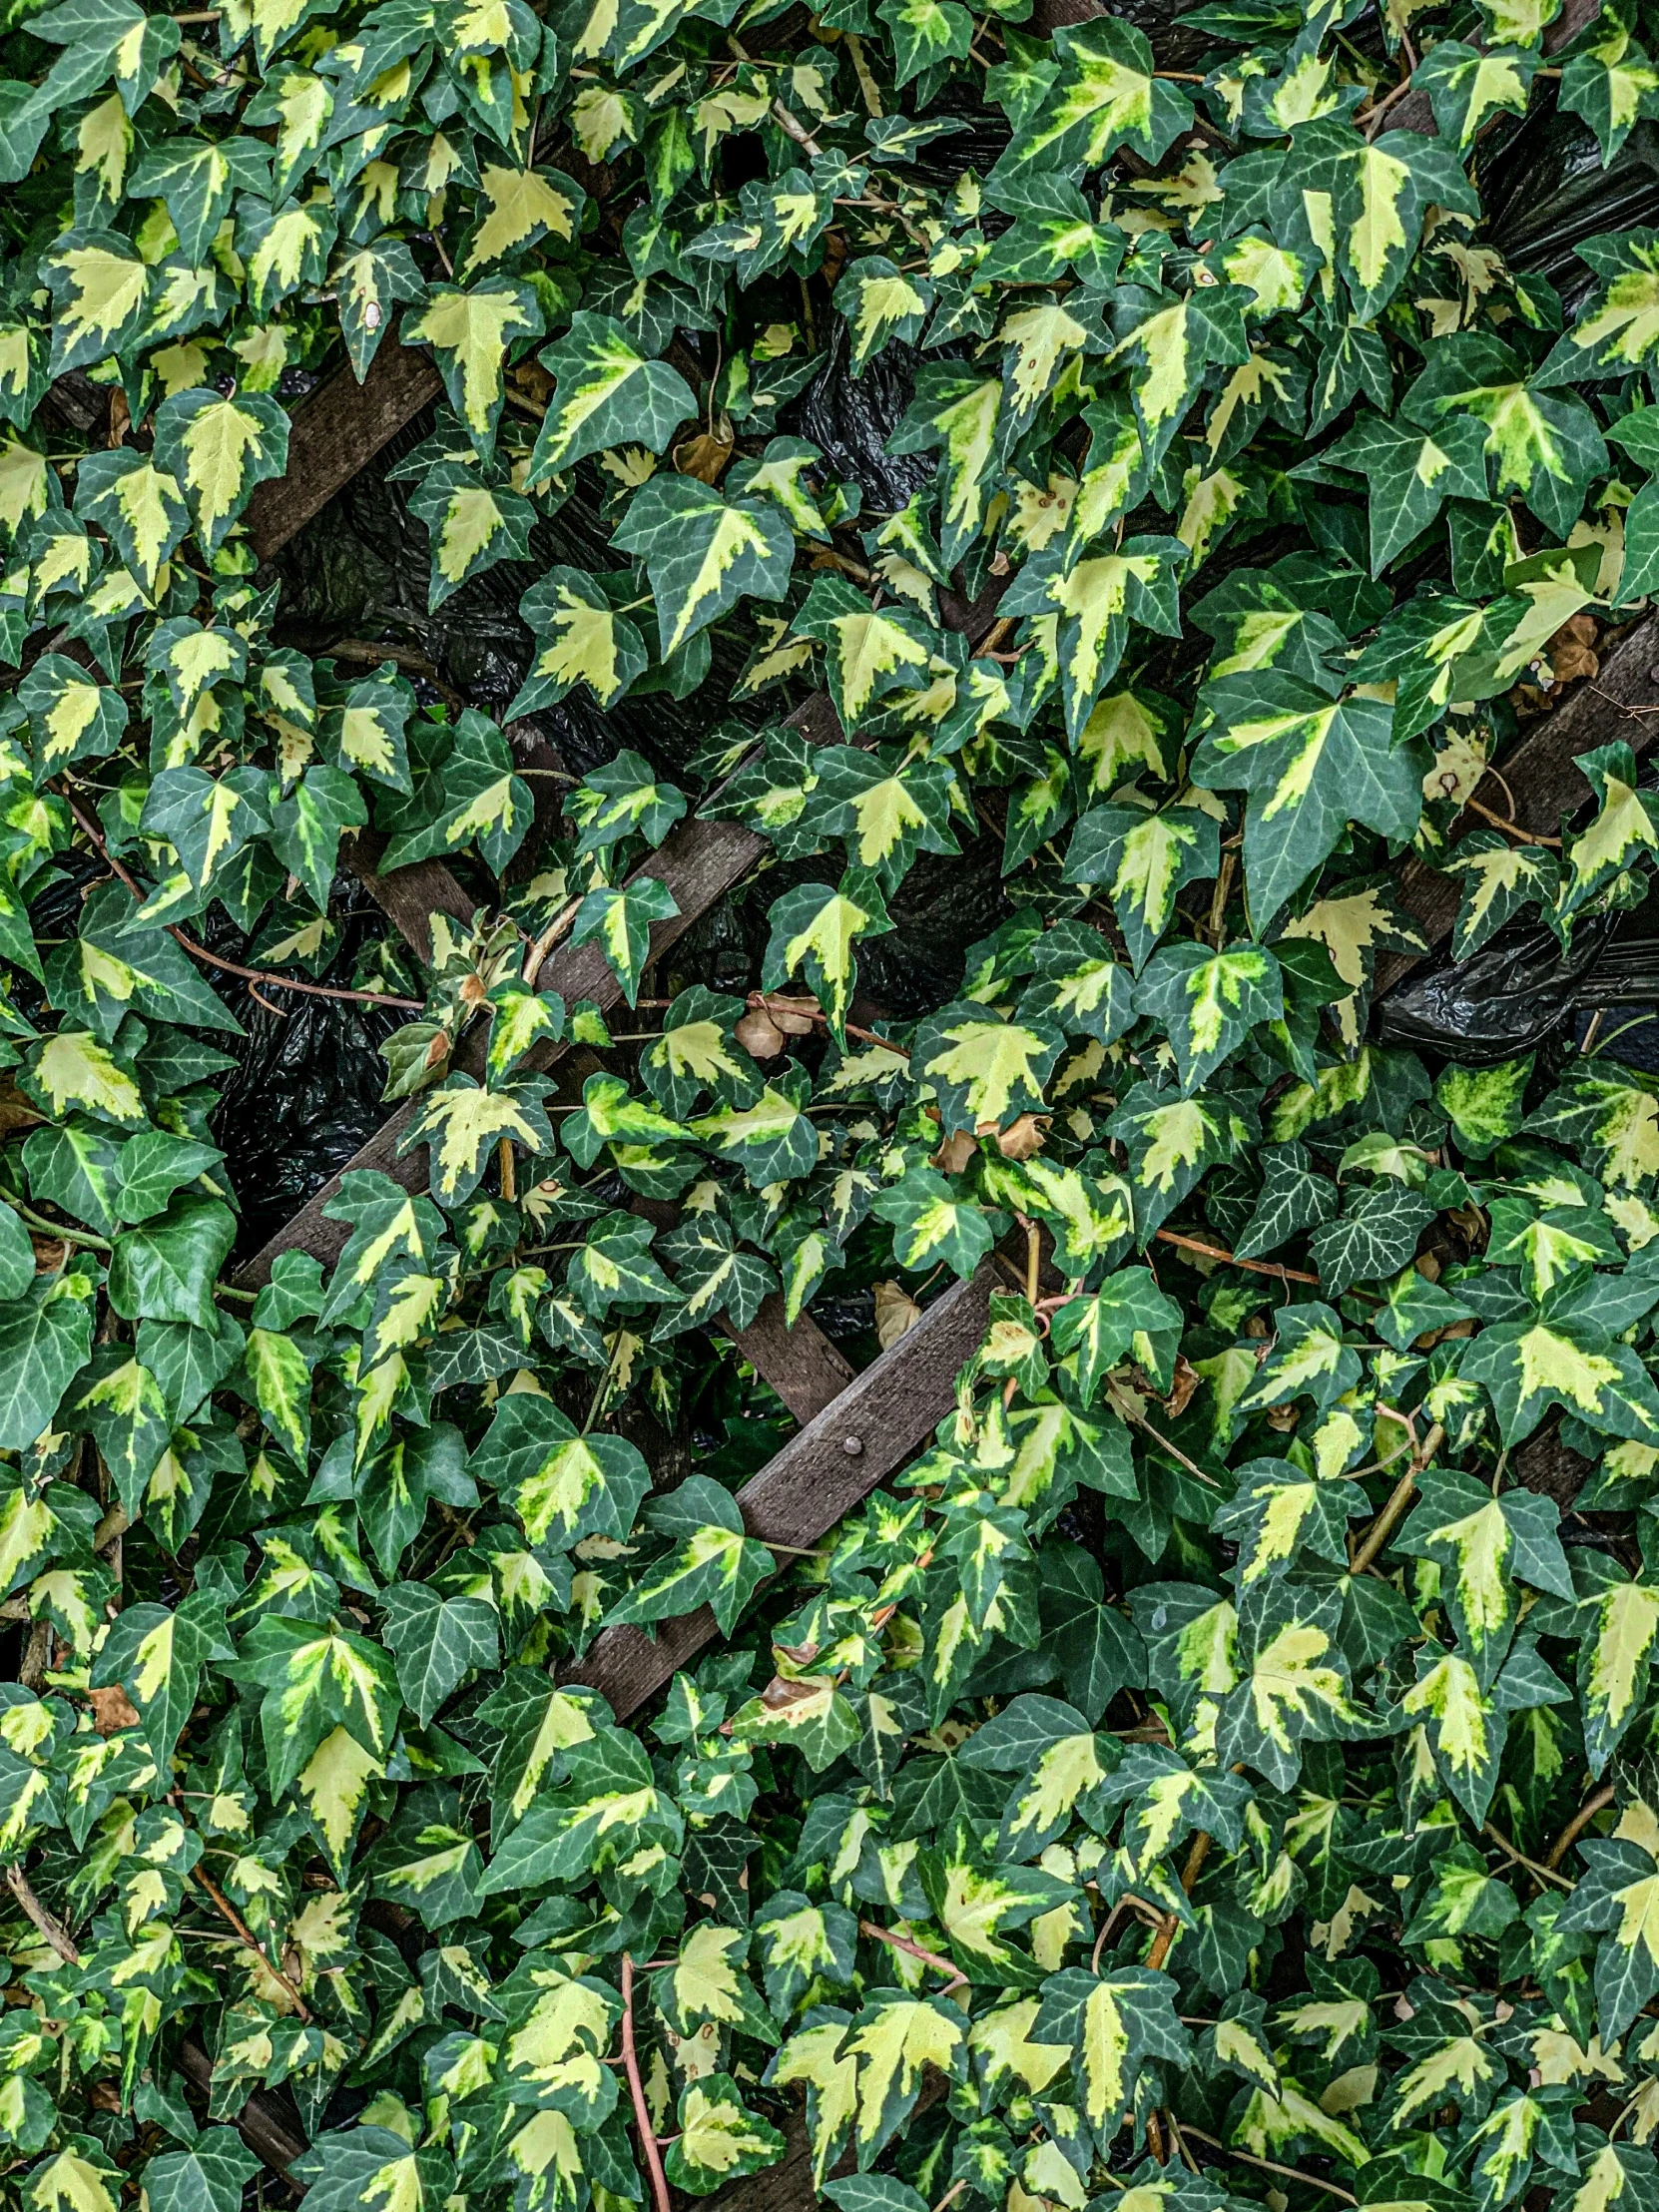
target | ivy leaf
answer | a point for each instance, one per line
(1293, 1198)
(45, 1341)
(1311, 765)
(935, 1225)
(1375, 1236)
(208, 2177)
(1142, 860)
(140, 505)
(987, 1072)
(1105, 96)
(1526, 1367)
(464, 1124)
(712, 1563)
(471, 526)
(307, 825)
(720, 2138)
(1096, 600)
(607, 392)
(437, 1641)
(580, 639)
(1482, 1544)
(618, 918)
(814, 930)
(484, 800)
(1466, 86)
(100, 288)
(1611, 83)
(1208, 1002)
(1109, 2023)
(878, 304)
(701, 553)
(165, 1269)
(1410, 473)
(469, 332)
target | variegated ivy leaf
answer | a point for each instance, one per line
(1142, 860)
(563, 1486)
(484, 800)
(472, 525)
(1603, 1113)
(618, 920)
(801, 1946)
(1410, 473)
(1615, 331)
(614, 1266)
(139, 505)
(713, 1277)
(712, 1561)
(370, 281)
(100, 288)
(935, 1224)
(1277, 1509)
(870, 651)
(1542, 444)
(1468, 85)
(1060, 1761)
(773, 1140)
(207, 819)
(1528, 1366)
(607, 392)
(581, 638)
(885, 808)
(1481, 1544)
(520, 1018)
(698, 1053)
(706, 1983)
(984, 1071)
(961, 417)
(701, 553)
(813, 931)
(1308, 1358)
(1106, 94)
(72, 717)
(1465, 1726)
(1095, 601)
(1623, 829)
(1293, 1685)
(1376, 194)
(1311, 765)
(879, 305)
(469, 332)
(196, 181)
(463, 1125)
(1610, 81)
(1110, 2022)
(720, 2139)
(1374, 1235)
(1207, 1004)
(1171, 1140)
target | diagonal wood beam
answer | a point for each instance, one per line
(335, 434)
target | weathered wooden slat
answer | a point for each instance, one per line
(837, 1459)
(408, 896)
(338, 430)
(1621, 703)
(801, 1364)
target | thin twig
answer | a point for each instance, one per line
(213, 959)
(1597, 1801)
(928, 1958)
(549, 937)
(1268, 2165)
(636, 2090)
(764, 1003)
(1399, 1498)
(1519, 1858)
(790, 127)
(1513, 828)
(248, 1938)
(1190, 1872)
(1216, 1252)
(18, 1883)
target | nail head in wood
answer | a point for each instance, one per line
(853, 1446)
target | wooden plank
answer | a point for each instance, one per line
(801, 1364)
(408, 896)
(1622, 701)
(338, 430)
(872, 1429)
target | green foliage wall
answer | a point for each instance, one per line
(1206, 1771)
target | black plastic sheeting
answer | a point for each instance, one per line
(1524, 988)
(1545, 192)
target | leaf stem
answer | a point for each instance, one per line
(1268, 2165)
(215, 960)
(53, 1931)
(248, 1938)
(957, 1980)
(1597, 1801)
(636, 2090)
(53, 1229)
(1399, 1498)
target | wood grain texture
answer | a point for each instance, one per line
(801, 1364)
(338, 430)
(269, 2129)
(408, 896)
(1621, 703)
(817, 1478)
